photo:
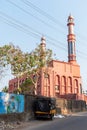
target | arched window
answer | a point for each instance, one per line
(69, 88)
(57, 83)
(76, 86)
(63, 81)
(63, 85)
(46, 85)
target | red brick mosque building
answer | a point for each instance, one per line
(60, 79)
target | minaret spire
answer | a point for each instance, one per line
(71, 40)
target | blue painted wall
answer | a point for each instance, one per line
(11, 103)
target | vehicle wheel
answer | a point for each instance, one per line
(52, 116)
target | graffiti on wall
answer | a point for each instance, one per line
(11, 103)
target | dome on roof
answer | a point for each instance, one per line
(70, 17)
(43, 38)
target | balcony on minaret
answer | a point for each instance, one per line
(71, 37)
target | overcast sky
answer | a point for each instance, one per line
(24, 22)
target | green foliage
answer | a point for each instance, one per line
(3, 58)
(5, 89)
(27, 87)
(25, 63)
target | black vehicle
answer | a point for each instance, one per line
(44, 107)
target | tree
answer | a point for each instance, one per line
(25, 63)
(27, 87)
(5, 89)
(15, 59)
(34, 62)
(30, 63)
(3, 59)
(10, 55)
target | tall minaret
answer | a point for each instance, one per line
(43, 50)
(71, 41)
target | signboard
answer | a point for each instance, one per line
(11, 103)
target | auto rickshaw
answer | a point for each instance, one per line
(44, 107)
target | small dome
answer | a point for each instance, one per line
(43, 38)
(70, 17)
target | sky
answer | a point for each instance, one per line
(24, 22)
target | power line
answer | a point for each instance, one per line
(25, 28)
(39, 10)
(35, 17)
(18, 27)
(28, 3)
(42, 12)
(28, 27)
(27, 32)
(18, 22)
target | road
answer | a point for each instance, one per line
(74, 122)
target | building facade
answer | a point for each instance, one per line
(60, 79)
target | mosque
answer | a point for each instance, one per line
(60, 79)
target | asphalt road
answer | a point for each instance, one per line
(74, 122)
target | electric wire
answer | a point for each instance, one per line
(39, 33)
(25, 28)
(40, 11)
(35, 17)
(34, 33)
